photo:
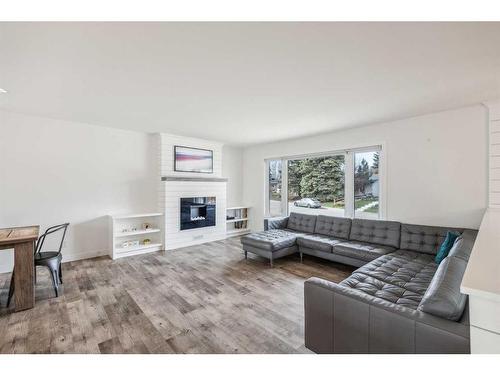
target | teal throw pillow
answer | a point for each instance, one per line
(446, 246)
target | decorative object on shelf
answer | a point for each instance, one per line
(237, 221)
(195, 160)
(240, 225)
(124, 230)
(146, 226)
(130, 243)
(146, 241)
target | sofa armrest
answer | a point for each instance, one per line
(339, 319)
(463, 246)
(275, 223)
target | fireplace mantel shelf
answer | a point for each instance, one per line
(198, 179)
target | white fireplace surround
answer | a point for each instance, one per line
(176, 188)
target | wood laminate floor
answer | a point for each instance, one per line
(201, 299)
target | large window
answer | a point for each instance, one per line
(343, 183)
(316, 184)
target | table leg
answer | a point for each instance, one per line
(24, 266)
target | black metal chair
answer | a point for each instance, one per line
(50, 259)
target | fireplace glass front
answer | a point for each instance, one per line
(197, 212)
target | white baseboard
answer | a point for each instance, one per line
(67, 257)
(70, 257)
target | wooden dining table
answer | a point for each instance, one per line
(22, 240)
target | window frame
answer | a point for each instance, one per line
(381, 200)
(349, 160)
(284, 181)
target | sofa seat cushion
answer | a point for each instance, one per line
(408, 270)
(301, 222)
(271, 240)
(361, 250)
(317, 242)
(338, 227)
(386, 291)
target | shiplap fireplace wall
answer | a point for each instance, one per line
(175, 185)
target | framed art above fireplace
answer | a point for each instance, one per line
(195, 160)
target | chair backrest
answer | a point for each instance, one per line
(51, 230)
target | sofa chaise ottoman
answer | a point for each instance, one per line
(279, 237)
(271, 244)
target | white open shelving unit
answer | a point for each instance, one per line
(238, 223)
(125, 229)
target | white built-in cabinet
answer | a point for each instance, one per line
(237, 221)
(135, 234)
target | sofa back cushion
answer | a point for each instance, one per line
(463, 245)
(376, 231)
(338, 227)
(443, 297)
(423, 238)
(301, 222)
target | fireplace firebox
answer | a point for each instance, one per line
(198, 212)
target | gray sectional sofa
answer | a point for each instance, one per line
(398, 300)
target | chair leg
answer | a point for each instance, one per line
(60, 273)
(11, 289)
(271, 261)
(35, 275)
(246, 255)
(301, 257)
(55, 280)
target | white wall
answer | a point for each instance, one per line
(436, 166)
(55, 171)
(232, 169)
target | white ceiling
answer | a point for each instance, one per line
(245, 83)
